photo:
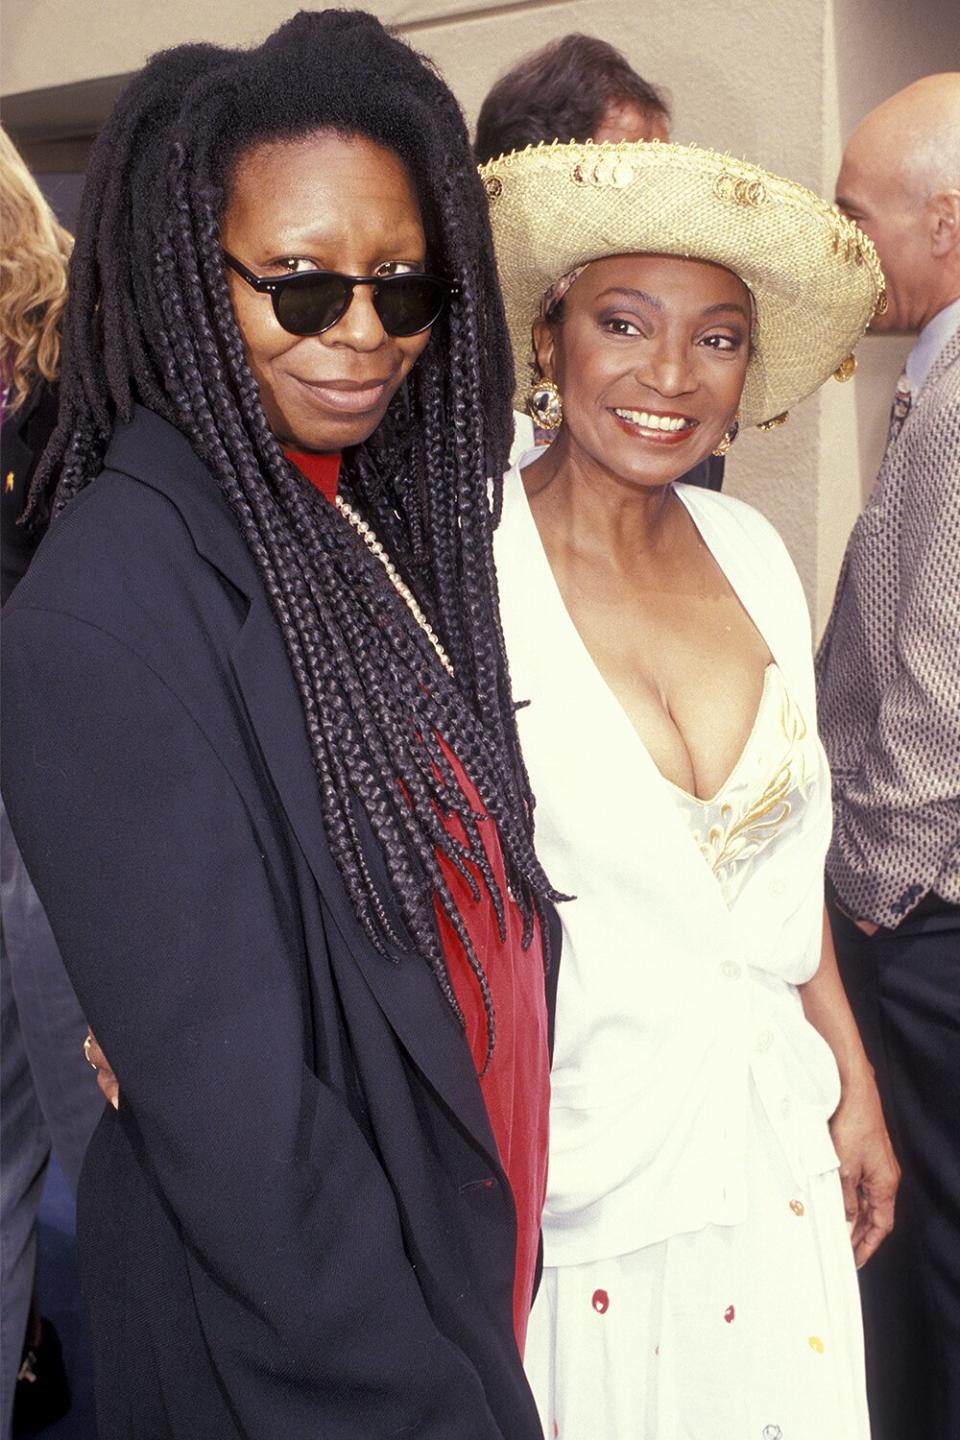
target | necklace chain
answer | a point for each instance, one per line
(367, 535)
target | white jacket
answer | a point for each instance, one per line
(670, 1003)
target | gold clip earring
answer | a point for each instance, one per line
(729, 436)
(545, 404)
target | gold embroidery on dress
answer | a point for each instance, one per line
(740, 831)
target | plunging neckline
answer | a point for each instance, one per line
(584, 649)
(738, 764)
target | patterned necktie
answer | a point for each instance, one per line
(902, 400)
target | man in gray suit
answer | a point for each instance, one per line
(889, 692)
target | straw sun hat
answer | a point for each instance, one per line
(815, 278)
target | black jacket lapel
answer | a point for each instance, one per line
(406, 990)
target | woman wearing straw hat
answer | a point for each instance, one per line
(713, 1112)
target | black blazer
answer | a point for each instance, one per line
(23, 437)
(297, 1224)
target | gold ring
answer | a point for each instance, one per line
(86, 1051)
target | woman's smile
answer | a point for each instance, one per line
(656, 426)
(346, 397)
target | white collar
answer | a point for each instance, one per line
(929, 344)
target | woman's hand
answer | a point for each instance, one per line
(869, 1172)
(108, 1082)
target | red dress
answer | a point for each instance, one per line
(516, 1084)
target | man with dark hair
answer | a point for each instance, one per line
(575, 88)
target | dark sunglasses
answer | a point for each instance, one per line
(314, 300)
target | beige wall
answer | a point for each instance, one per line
(780, 83)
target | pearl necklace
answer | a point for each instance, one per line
(403, 590)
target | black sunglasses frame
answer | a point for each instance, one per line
(274, 285)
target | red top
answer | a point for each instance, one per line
(516, 1085)
(323, 471)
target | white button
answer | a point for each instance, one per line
(777, 887)
(730, 970)
(785, 1106)
(764, 1040)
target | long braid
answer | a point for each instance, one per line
(151, 320)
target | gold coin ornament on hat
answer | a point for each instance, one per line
(608, 169)
(813, 276)
(739, 189)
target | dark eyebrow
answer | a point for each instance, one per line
(632, 295)
(657, 304)
(732, 305)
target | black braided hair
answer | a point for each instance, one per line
(150, 322)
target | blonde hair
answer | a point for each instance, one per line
(33, 278)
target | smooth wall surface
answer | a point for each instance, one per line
(780, 84)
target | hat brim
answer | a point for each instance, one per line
(814, 277)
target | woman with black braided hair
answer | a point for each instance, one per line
(262, 761)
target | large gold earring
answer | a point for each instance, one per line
(729, 437)
(545, 405)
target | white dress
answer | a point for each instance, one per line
(699, 1284)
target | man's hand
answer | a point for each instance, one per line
(108, 1082)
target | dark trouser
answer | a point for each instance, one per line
(904, 987)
